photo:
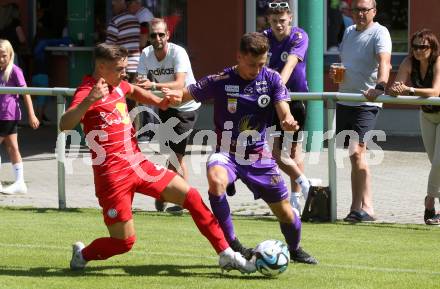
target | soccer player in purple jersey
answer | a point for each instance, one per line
(287, 55)
(245, 97)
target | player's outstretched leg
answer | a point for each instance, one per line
(290, 225)
(77, 262)
(178, 191)
(209, 227)
(99, 249)
(231, 260)
(222, 212)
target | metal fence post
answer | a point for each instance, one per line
(332, 174)
(61, 152)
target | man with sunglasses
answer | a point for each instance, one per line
(287, 55)
(365, 52)
(168, 66)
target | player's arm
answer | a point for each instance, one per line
(292, 61)
(73, 116)
(287, 122)
(147, 97)
(296, 54)
(177, 96)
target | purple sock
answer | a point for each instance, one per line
(221, 210)
(292, 233)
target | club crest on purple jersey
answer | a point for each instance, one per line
(232, 105)
(284, 56)
(263, 100)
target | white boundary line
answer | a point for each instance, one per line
(341, 266)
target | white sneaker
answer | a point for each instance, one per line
(77, 262)
(235, 261)
(17, 188)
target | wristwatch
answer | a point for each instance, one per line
(412, 91)
(379, 87)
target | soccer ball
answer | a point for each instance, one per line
(271, 257)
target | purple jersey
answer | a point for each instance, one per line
(241, 105)
(296, 44)
(9, 103)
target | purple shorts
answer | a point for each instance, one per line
(263, 178)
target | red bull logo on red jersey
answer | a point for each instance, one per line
(117, 116)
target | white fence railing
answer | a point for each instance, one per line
(60, 93)
(330, 97)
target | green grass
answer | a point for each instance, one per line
(169, 253)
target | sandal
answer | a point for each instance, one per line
(365, 217)
(353, 216)
(359, 216)
(434, 221)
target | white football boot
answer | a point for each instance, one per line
(17, 188)
(230, 260)
(77, 262)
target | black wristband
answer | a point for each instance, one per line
(379, 87)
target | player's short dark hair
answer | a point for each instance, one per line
(110, 52)
(254, 43)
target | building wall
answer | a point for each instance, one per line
(424, 14)
(214, 32)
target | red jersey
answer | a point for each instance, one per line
(109, 133)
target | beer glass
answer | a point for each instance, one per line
(339, 72)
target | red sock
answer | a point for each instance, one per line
(205, 220)
(104, 248)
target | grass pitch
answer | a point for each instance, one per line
(35, 250)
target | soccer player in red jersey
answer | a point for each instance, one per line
(120, 169)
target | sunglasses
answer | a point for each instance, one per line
(361, 10)
(154, 35)
(275, 5)
(420, 47)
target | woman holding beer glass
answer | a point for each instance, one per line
(421, 70)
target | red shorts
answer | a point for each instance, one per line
(116, 198)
